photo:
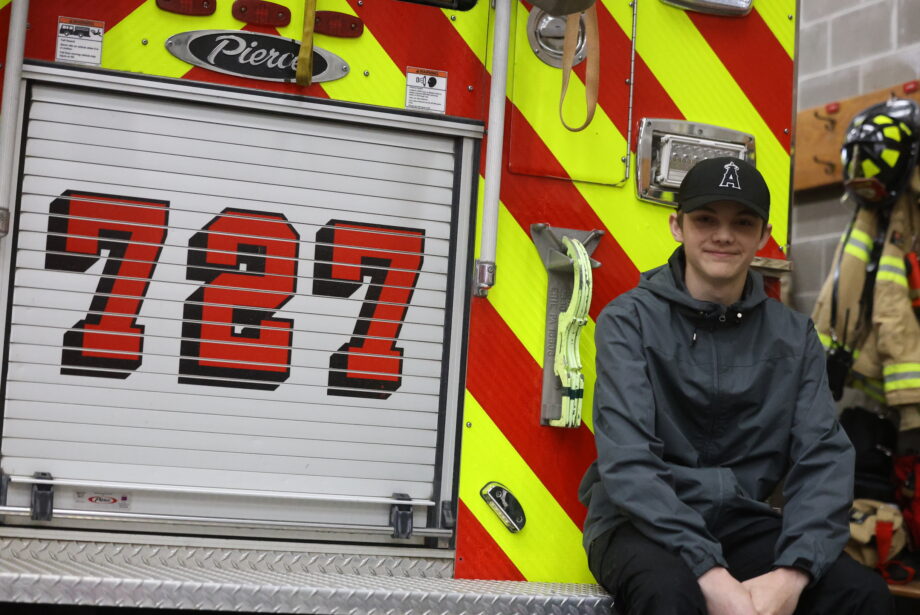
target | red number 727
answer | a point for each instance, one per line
(109, 343)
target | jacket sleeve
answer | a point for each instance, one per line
(633, 474)
(819, 485)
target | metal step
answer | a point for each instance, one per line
(184, 574)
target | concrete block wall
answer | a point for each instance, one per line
(845, 48)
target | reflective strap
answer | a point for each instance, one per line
(891, 268)
(859, 245)
(894, 262)
(870, 386)
(901, 376)
(304, 72)
(826, 340)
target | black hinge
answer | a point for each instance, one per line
(401, 517)
(448, 518)
(42, 498)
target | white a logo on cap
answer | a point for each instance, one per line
(730, 178)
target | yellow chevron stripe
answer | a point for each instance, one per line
(548, 549)
(386, 82)
(590, 155)
(775, 14)
(123, 48)
(4, 3)
(519, 296)
(470, 25)
(704, 90)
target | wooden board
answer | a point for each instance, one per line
(911, 590)
(820, 132)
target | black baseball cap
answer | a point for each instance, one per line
(724, 179)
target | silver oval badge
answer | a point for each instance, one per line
(252, 54)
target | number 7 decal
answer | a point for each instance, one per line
(370, 364)
(81, 226)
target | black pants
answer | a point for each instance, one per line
(647, 579)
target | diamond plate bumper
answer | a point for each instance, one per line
(86, 572)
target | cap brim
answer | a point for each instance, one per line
(695, 203)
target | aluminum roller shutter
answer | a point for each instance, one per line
(219, 298)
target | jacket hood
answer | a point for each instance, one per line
(667, 282)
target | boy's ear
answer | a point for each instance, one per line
(676, 231)
(765, 236)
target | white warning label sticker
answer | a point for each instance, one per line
(79, 41)
(426, 89)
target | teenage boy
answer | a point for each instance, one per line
(708, 396)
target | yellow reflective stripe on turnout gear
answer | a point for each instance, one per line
(891, 268)
(826, 340)
(870, 386)
(859, 245)
(901, 376)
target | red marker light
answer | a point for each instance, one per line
(260, 13)
(833, 107)
(911, 86)
(189, 7)
(343, 25)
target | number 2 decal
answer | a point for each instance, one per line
(246, 262)
(370, 365)
(80, 227)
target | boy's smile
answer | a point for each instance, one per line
(720, 240)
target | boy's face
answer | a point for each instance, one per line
(720, 240)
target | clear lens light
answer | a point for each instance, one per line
(678, 154)
(716, 7)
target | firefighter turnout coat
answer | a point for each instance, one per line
(885, 343)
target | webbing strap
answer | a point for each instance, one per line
(592, 71)
(567, 359)
(305, 57)
(884, 531)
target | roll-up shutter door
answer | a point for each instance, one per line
(227, 313)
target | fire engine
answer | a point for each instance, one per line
(328, 347)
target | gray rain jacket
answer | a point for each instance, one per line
(701, 410)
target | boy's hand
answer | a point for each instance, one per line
(777, 592)
(724, 594)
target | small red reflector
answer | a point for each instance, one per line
(343, 25)
(911, 86)
(188, 7)
(833, 107)
(260, 13)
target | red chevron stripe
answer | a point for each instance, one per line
(768, 81)
(478, 555)
(558, 456)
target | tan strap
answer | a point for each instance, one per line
(305, 57)
(592, 70)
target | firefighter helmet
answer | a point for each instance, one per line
(880, 151)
